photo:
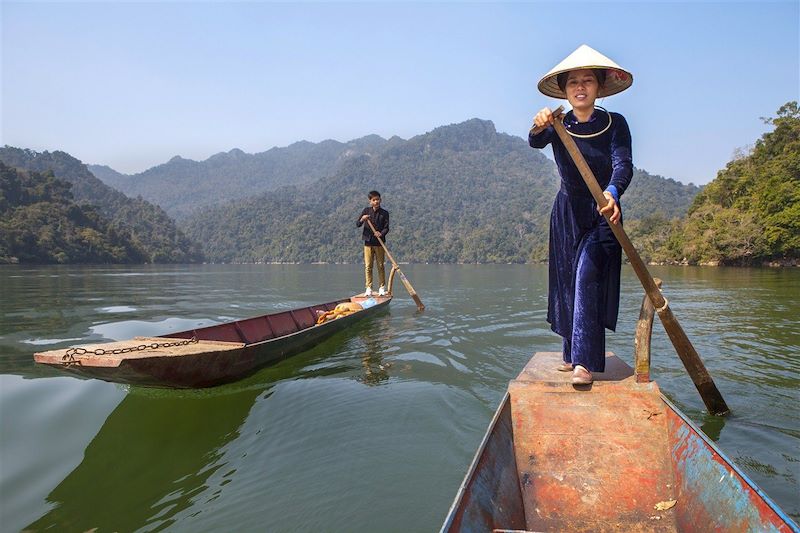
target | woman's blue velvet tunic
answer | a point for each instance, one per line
(585, 257)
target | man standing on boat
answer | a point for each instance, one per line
(585, 258)
(373, 251)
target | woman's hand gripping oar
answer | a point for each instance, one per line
(403, 278)
(691, 360)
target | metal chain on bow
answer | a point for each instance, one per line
(69, 357)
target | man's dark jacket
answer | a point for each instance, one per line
(379, 219)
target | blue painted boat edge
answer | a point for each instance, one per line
(474, 464)
(711, 444)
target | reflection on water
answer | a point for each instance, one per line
(375, 370)
(158, 453)
(372, 429)
(712, 426)
(151, 459)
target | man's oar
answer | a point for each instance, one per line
(403, 278)
(691, 360)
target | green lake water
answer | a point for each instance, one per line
(373, 429)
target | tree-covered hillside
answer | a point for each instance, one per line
(460, 193)
(650, 195)
(41, 223)
(148, 227)
(749, 214)
(182, 186)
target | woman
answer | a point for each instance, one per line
(585, 257)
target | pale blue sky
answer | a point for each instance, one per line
(132, 84)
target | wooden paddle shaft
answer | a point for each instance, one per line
(385, 249)
(406, 283)
(683, 346)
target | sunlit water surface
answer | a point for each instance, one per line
(372, 430)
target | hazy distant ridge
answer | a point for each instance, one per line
(181, 186)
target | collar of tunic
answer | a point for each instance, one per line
(597, 122)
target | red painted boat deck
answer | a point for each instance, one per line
(593, 457)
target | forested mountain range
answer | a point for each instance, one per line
(460, 193)
(41, 223)
(181, 186)
(152, 234)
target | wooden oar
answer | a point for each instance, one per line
(403, 278)
(691, 360)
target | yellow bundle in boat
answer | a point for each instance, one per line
(343, 309)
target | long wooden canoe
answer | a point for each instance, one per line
(212, 355)
(612, 456)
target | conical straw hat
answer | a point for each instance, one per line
(617, 78)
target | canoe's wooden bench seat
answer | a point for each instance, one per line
(594, 457)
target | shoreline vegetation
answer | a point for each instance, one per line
(497, 193)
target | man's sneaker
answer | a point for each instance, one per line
(382, 291)
(368, 292)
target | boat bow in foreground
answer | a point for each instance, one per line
(612, 456)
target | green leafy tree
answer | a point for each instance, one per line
(750, 213)
(41, 223)
(146, 226)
